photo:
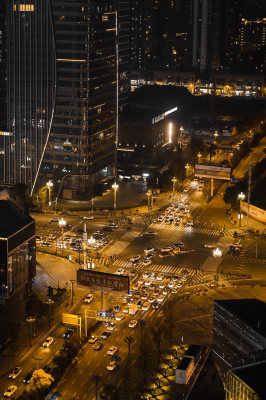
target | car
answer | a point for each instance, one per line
(133, 323)
(112, 350)
(92, 339)
(189, 223)
(149, 256)
(89, 217)
(237, 245)
(147, 283)
(55, 219)
(125, 310)
(88, 298)
(149, 250)
(160, 299)
(120, 317)
(140, 281)
(146, 306)
(112, 366)
(146, 275)
(147, 261)
(116, 308)
(15, 373)
(111, 326)
(139, 304)
(97, 345)
(120, 271)
(149, 234)
(166, 250)
(105, 335)
(134, 259)
(47, 368)
(48, 341)
(200, 188)
(65, 346)
(10, 391)
(113, 225)
(155, 305)
(45, 244)
(133, 272)
(185, 190)
(160, 277)
(69, 332)
(152, 299)
(51, 237)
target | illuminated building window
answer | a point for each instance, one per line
(24, 7)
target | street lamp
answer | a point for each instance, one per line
(174, 180)
(50, 302)
(199, 155)
(50, 185)
(62, 224)
(115, 188)
(240, 197)
(149, 194)
(217, 252)
(181, 132)
(186, 168)
(31, 321)
(91, 242)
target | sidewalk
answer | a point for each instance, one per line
(254, 226)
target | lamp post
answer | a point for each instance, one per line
(115, 188)
(50, 185)
(181, 132)
(62, 224)
(72, 281)
(149, 194)
(50, 302)
(186, 168)
(174, 180)
(31, 321)
(199, 155)
(240, 197)
(91, 242)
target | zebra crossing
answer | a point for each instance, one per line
(243, 259)
(153, 267)
(188, 229)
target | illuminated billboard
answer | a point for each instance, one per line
(163, 115)
(103, 281)
(210, 171)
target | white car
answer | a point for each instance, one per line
(120, 317)
(125, 310)
(93, 339)
(134, 259)
(190, 223)
(146, 275)
(147, 283)
(120, 271)
(159, 277)
(133, 323)
(147, 261)
(166, 250)
(111, 326)
(146, 306)
(160, 299)
(88, 298)
(48, 341)
(185, 190)
(112, 366)
(89, 217)
(112, 350)
(149, 250)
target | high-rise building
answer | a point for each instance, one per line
(239, 332)
(62, 93)
(2, 59)
(123, 31)
(17, 259)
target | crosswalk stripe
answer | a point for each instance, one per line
(172, 227)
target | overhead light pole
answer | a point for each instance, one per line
(240, 197)
(115, 187)
(49, 185)
(62, 224)
(149, 194)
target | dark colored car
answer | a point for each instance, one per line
(47, 368)
(105, 335)
(28, 378)
(69, 332)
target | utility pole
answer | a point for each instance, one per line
(249, 190)
(72, 291)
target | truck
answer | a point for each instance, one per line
(133, 309)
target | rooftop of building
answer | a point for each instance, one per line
(12, 218)
(254, 376)
(250, 311)
(184, 363)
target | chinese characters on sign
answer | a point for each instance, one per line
(103, 281)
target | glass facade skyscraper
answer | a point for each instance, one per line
(62, 93)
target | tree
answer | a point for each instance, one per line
(40, 198)
(42, 380)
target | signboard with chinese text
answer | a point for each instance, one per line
(103, 281)
(213, 172)
(105, 315)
